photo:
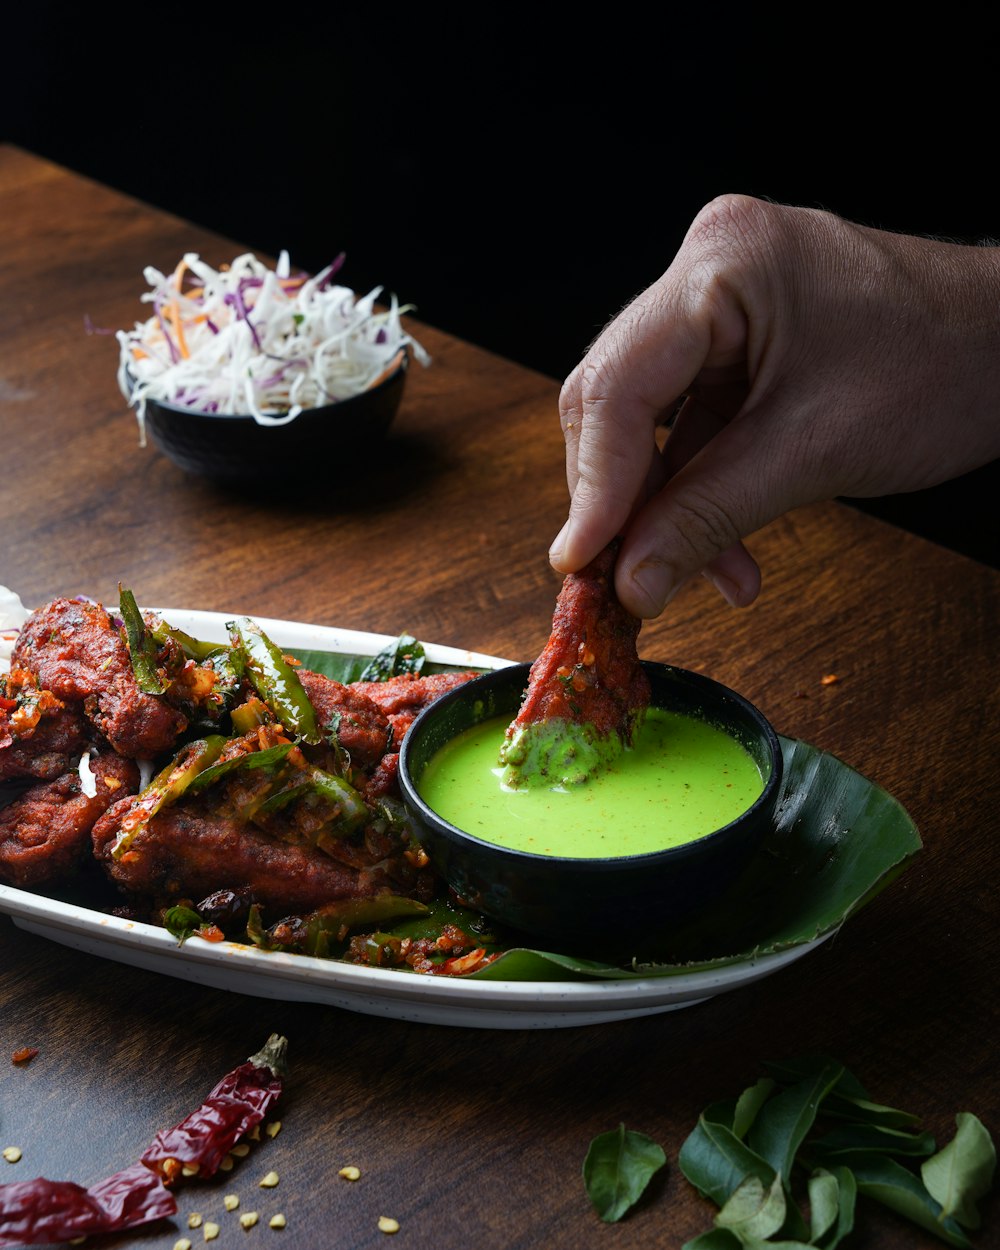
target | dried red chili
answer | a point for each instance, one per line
(24, 1054)
(238, 1103)
(44, 1211)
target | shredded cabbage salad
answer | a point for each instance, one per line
(251, 340)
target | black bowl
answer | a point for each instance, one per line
(234, 447)
(604, 906)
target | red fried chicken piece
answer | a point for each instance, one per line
(45, 833)
(360, 726)
(76, 651)
(193, 849)
(588, 677)
(403, 698)
(39, 735)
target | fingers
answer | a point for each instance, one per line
(610, 408)
(695, 523)
(688, 325)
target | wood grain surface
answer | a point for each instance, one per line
(472, 1137)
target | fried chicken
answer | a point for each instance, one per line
(356, 721)
(76, 651)
(192, 849)
(587, 691)
(403, 698)
(45, 832)
(39, 735)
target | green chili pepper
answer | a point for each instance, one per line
(347, 809)
(141, 646)
(193, 648)
(274, 679)
(167, 787)
(267, 758)
(324, 926)
(249, 715)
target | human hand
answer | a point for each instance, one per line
(818, 358)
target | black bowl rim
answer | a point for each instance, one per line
(584, 864)
(336, 405)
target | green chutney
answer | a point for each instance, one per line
(682, 779)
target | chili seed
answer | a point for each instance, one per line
(249, 1219)
(273, 1129)
(240, 1150)
(227, 1164)
(350, 1173)
(277, 1221)
(190, 1169)
(211, 1230)
(230, 1202)
(269, 1181)
(386, 1224)
(12, 1153)
(194, 1220)
(182, 1243)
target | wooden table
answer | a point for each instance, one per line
(473, 1137)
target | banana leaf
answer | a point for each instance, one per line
(346, 668)
(837, 841)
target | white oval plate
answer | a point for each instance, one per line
(428, 999)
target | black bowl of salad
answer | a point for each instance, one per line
(251, 373)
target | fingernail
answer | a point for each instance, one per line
(727, 588)
(654, 583)
(558, 543)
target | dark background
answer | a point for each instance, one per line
(518, 181)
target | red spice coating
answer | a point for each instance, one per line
(589, 671)
(76, 651)
(45, 834)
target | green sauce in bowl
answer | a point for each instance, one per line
(683, 779)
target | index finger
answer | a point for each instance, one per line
(610, 405)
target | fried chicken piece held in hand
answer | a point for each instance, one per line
(587, 692)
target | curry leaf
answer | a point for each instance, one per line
(404, 655)
(715, 1161)
(890, 1183)
(754, 1210)
(850, 1138)
(749, 1103)
(832, 1198)
(962, 1171)
(618, 1167)
(715, 1239)
(181, 922)
(784, 1121)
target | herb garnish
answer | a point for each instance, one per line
(403, 655)
(787, 1159)
(618, 1167)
